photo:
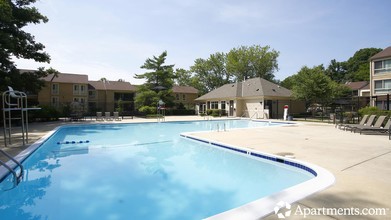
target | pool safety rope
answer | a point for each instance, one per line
(73, 142)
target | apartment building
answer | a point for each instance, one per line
(109, 96)
(76, 91)
(64, 90)
(380, 79)
(185, 95)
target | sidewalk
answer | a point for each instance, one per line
(360, 163)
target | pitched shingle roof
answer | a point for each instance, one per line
(357, 85)
(250, 88)
(382, 54)
(67, 78)
(184, 89)
(111, 85)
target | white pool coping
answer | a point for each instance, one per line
(25, 153)
(265, 206)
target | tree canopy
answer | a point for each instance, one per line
(158, 83)
(15, 42)
(238, 64)
(312, 85)
(357, 66)
(210, 73)
(249, 62)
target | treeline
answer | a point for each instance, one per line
(322, 85)
(312, 84)
(256, 61)
(221, 68)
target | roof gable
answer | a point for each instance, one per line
(111, 85)
(184, 89)
(357, 85)
(382, 54)
(225, 91)
(262, 87)
(254, 87)
(67, 78)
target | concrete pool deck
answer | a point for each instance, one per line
(361, 164)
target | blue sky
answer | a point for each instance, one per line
(112, 39)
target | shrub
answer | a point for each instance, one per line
(149, 110)
(373, 111)
(46, 113)
(215, 112)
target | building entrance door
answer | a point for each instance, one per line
(231, 108)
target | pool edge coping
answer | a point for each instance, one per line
(264, 206)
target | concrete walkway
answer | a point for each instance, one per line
(360, 163)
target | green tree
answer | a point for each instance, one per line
(358, 65)
(249, 62)
(288, 82)
(313, 86)
(158, 83)
(336, 71)
(15, 42)
(183, 77)
(210, 73)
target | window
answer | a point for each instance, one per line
(92, 94)
(75, 89)
(177, 96)
(123, 96)
(382, 105)
(382, 66)
(382, 86)
(55, 102)
(214, 105)
(183, 97)
(55, 89)
(79, 89)
(79, 100)
(83, 89)
(223, 105)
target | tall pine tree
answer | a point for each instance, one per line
(159, 81)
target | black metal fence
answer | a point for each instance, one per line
(54, 111)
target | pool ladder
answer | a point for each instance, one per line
(17, 177)
(222, 127)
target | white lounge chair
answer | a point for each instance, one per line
(108, 116)
(116, 116)
(99, 116)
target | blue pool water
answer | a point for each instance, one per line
(140, 171)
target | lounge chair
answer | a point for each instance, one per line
(368, 123)
(384, 129)
(116, 116)
(108, 116)
(362, 122)
(99, 116)
(378, 124)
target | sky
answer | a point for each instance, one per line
(112, 39)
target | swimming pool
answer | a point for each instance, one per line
(145, 171)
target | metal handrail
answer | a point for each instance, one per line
(244, 114)
(17, 177)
